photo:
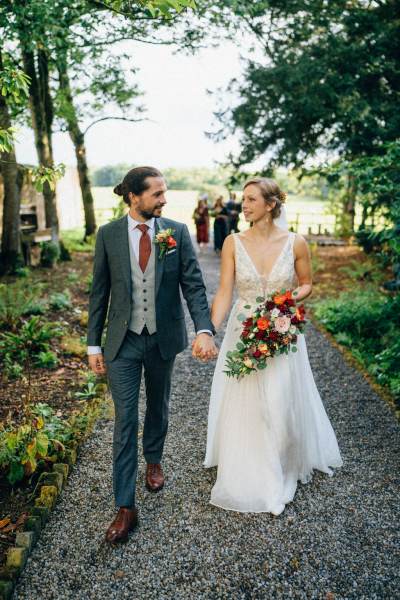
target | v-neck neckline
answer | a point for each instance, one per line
(264, 277)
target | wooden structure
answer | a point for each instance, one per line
(32, 218)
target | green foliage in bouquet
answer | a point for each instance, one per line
(368, 324)
(272, 329)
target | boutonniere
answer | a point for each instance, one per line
(165, 240)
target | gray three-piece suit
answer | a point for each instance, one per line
(145, 329)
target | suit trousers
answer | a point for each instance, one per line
(137, 353)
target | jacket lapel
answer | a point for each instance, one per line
(159, 261)
(123, 241)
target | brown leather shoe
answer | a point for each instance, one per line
(154, 478)
(125, 521)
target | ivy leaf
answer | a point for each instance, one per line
(42, 443)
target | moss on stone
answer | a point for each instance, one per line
(54, 478)
(48, 496)
(63, 469)
(16, 557)
(42, 512)
(33, 523)
(70, 456)
(24, 539)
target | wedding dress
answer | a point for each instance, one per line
(269, 429)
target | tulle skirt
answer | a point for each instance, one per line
(266, 431)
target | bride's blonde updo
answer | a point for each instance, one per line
(271, 192)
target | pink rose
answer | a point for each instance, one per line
(282, 324)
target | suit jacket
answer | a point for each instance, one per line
(111, 290)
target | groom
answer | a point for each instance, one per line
(143, 277)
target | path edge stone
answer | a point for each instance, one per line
(45, 497)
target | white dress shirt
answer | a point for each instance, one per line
(134, 235)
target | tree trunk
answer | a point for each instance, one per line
(41, 108)
(11, 256)
(349, 204)
(78, 139)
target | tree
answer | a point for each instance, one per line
(13, 88)
(44, 45)
(327, 84)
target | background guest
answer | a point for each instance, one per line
(202, 222)
(220, 223)
(234, 209)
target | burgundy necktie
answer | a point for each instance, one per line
(144, 247)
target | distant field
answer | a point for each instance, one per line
(181, 204)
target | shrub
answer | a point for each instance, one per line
(46, 360)
(60, 300)
(18, 300)
(23, 347)
(42, 439)
(369, 324)
(50, 253)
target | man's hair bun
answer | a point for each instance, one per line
(118, 190)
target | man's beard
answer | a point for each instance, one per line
(147, 214)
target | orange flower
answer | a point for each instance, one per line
(263, 323)
(171, 242)
(263, 348)
(300, 312)
(280, 299)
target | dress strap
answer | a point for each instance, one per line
(292, 237)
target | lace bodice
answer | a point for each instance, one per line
(250, 284)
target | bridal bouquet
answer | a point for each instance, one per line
(272, 329)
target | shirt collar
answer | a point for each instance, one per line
(132, 223)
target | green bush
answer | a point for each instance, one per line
(46, 360)
(25, 346)
(50, 253)
(42, 439)
(60, 300)
(368, 323)
(18, 300)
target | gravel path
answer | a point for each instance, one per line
(337, 539)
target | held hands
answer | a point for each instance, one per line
(97, 364)
(204, 348)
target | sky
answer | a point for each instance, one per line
(178, 105)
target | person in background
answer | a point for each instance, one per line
(234, 209)
(221, 217)
(202, 222)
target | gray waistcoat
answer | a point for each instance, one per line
(143, 294)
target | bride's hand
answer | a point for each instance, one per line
(204, 348)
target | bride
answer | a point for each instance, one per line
(269, 429)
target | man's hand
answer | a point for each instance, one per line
(204, 347)
(97, 364)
